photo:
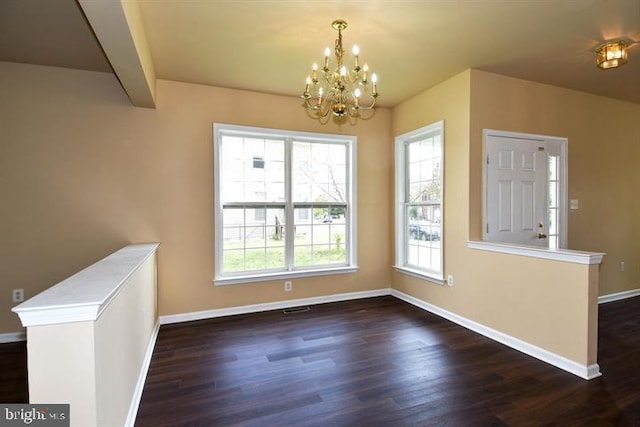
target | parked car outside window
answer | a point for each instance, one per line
(423, 230)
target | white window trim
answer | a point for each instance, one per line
(401, 168)
(351, 237)
(438, 280)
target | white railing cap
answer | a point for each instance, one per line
(85, 295)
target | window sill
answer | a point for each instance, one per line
(265, 277)
(438, 280)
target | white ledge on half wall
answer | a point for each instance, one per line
(85, 295)
(565, 255)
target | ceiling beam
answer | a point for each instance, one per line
(118, 27)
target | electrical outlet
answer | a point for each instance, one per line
(621, 265)
(18, 295)
(288, 286)
(450, 280)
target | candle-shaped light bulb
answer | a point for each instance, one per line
(356, 94)
(314, 72)
(356, 51)
(327, 53)
(320, 92)
(306, 90)
(365, 68)
(374, 80)
(343, 71)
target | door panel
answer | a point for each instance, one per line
(505, 204)
(505, 159)
(528, 205)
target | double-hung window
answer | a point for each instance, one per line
(284, 204)
(419, 191)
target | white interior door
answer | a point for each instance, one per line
(517, 200)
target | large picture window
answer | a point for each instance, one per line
(285, 203)
(419, 191)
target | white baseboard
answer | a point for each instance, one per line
(277, 305)
(12, 337)
(583, 371)
(137, 393)
(618, 296)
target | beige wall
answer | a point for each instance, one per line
(83, 173)
(522, 297)
(604, 154)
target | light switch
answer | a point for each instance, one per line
(574, 204)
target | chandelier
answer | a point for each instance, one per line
(335, 88)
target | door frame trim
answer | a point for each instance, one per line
(564, 184)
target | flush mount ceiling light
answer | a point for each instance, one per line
(612, 54)
(334, 88)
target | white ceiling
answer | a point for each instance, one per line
(269, 45)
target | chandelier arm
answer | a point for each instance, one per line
(317, 111)
(370, 104)
(321, 106)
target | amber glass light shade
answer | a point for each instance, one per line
(612, 55)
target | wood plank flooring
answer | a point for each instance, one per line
(370, 362)
(13, 373)
(380, 361)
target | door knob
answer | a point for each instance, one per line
(542, 236)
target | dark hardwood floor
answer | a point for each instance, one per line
(13, 373)
(376, 361)
(380, 361)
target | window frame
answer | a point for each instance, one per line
(290, 271)
(401, 202)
